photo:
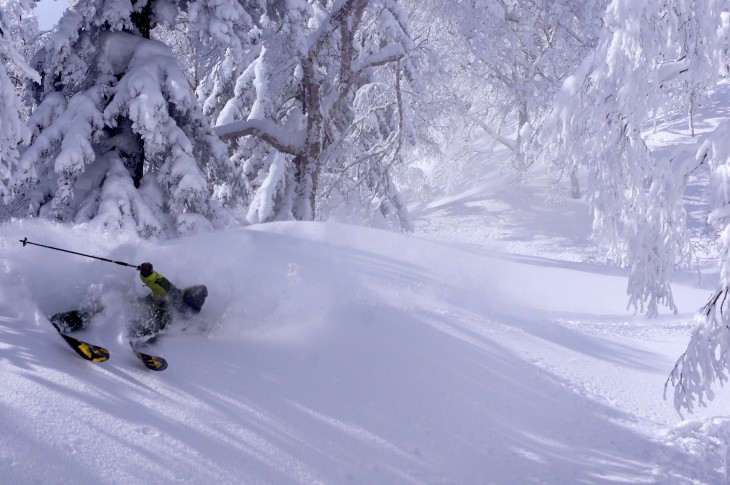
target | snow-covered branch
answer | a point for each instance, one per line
(390, 53)
(286, 141)
(298, 102)
(707, 359)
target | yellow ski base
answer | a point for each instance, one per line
(88, 351)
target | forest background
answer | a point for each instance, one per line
(164, 118)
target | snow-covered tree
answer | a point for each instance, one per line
(223, 38)
(707, 358)
(320, 116)
(492, 68)
(523, 50)
(12, 127)
(21, 25)
(597, 125)
(651, 55)
(118, 136)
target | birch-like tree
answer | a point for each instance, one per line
(706, 362)
(21, 26)
(493, 69)
(505, 61)
(598, 121)
(321, 113)
(650, 55)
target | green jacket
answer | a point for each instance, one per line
(161, 287)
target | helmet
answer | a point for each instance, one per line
(145, 269)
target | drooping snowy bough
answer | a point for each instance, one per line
(707, 359)
(597, 125)
(650, 55)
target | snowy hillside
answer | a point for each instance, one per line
(492, 346)
(340, 354)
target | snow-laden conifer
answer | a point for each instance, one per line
(12, 63)
(112, 97)
(223, 37)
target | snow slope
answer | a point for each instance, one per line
(342, 354)
(493, 346)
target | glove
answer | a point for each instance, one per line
(145, 269)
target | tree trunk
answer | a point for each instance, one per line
(690, 114)
(520, 161)
(135, 162)
(143, 19)
(574, 185)
(308, 165)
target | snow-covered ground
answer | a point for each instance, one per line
(491, 346)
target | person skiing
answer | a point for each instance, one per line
(156, 312)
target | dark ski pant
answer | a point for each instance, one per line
(153, 319)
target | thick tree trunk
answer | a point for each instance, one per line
(143, 18)
(308, 166)
(143, 21)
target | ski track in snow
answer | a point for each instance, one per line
(492, 346)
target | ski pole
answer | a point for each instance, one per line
(121, 263)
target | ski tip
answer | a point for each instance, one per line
(152, 362)
(88, 351)
(100, 357)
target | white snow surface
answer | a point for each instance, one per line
(490, 347)
(341, 354)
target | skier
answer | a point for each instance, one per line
(155, 314)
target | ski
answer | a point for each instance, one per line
(152, 362)
(86, 350)
(95, 353)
